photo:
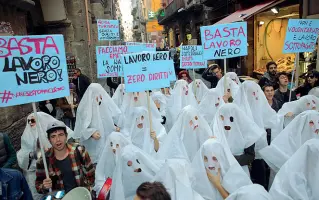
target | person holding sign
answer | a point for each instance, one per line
(69, 166)
(81, 82)
(142, 135)
(30, 147)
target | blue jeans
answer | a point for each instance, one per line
(14, 185)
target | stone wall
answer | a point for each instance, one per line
(13, 119)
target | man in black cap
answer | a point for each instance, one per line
(69, 166)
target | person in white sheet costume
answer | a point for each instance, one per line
(250, 192)
(214, 161)
(314, 91)
(132, 169)
(94, 119)
(160, 101)
(298, 178)
(240, 131)
(132, 100)
(189, 132)
(30, 149)
(233, 76)
(231, 88)
(252, 100)
(181, 97)
(118, 96)
(115, 143)
(209, 105)
(176, 176)
(141, 135)
(291, 109)
(303, 128)
(199, 90)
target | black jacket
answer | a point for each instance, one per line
(210, 77)
(81, 84)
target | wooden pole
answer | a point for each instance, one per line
(149, 110)
(293, 75)
(225, 78)
(39, 131)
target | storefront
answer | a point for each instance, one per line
(269, 37)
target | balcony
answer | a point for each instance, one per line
(171, 10)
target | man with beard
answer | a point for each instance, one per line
(69, 166)
(269, 77)
(282, 93)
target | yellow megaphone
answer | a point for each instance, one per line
(79, 193)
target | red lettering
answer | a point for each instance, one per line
(232, 43)
(36, 42)
(129, 81)
(207, 33)
(217, 33)
(227, 31)
(49, 43)
(241, 31)
(219, 43)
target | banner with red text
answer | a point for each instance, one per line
(146, 71)
(301, 35)
(191, 57)
(33, 68)
(224, 40)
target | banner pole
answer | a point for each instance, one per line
(39, 129)
(194, 84)
(225, 79)
(149, 109)
(293, 74)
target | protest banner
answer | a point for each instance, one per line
(108, 59)
(146, 71)
(224, 40)
(33, 68)
(191, 57)
(301, 35)
(147, 46)
(108, 29)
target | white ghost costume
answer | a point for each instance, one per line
(308, 102)
(298, 178)
(237, 128)
(181, 96)
(233, 76)
(199, 90)
(314, 91)
(303, 128)
(118, 95)
(132, 100)
(252, 100)
(189, 132)
(250, 192)
(213, 156)
(95, 113)
(231, 86)
(176, 177)
(141, 137)
(132, 169)
(115, 143)
(209, 105)
(161, 99)
(29, 145)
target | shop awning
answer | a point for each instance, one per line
(242, 15)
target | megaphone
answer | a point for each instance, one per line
(79, 193)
